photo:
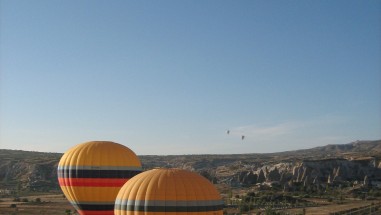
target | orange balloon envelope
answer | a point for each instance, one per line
(168, 191)
(91, 174)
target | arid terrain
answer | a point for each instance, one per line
(343, 179)
(43, 203)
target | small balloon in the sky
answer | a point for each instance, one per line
(243, 137)
(228, 131)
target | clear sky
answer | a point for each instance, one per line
(170, 77)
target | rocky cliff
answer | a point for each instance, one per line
(322, 171)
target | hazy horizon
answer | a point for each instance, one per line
(204, 154)
(172, 77)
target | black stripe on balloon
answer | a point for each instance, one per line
(169, 208)
(90, 207)
(73, 173)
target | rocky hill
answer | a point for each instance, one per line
(356, 162)
(28, 170)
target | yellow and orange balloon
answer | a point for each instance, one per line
(168, 191)
(92, 173)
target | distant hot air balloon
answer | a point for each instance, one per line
(228, 131)
(168, 191)
(91, 174)
(243, 137)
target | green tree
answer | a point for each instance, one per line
(230, 196)
(18, 188)
(270, 211)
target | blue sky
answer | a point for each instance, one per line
(170, 77)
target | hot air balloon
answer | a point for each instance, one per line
(168, 191)
(91, 174)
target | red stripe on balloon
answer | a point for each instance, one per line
(92, 182)
(87, 212)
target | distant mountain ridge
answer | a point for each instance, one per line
(361, 148)
(357, 146)
(38, 170)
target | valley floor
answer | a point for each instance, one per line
(57, 204)
(45, 204)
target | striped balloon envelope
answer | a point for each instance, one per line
(91, 174)
(168, 191)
